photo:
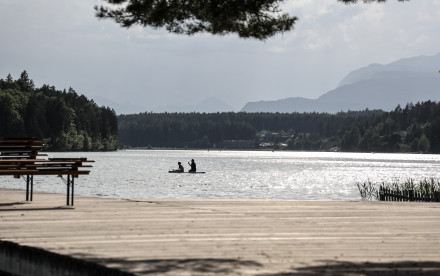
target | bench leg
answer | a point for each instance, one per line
(32, 187)
(68, 189)
(27, 188)
(73, 185)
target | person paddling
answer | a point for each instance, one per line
(180, 169)
(193, 166)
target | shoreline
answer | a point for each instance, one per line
(265, 150)
(223, 236)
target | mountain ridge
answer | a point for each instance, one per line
(374, 86)
(208, 105)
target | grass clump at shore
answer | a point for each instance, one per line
(370, 191)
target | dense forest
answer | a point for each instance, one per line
(414, 128)
(65, 120)
(71, 122)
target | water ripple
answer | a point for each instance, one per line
(237, 174)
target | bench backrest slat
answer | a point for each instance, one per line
(20, 147)
(19, 156)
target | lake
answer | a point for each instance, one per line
(236, 174)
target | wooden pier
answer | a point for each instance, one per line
(219, 237)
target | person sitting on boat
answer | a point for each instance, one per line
(180, 169)
(193, 166)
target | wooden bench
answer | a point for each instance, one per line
(18, 158)
(28, 148)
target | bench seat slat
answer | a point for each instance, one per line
(55, 166)
(11, 166)
(20, 139)
(83, 159)
(9, 154)
(21, 147)
(18, 158)
(43, 172)
(16, 171)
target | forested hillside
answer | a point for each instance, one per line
(414, 128)
(65, 120)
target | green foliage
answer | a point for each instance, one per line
(350, 140)
(182, 130)
(414, 128)
(367, 1)
(65, 120)
(249, 19)
(370, 191)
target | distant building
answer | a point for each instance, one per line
(269, 139)
(238, 144)
(267, 145)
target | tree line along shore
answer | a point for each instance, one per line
(413, 128)
(65, 120)
(68, 121)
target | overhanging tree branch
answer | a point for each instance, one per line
(258, 19)
(366, 1)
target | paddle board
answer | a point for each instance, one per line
(185, 172)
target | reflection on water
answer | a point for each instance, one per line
(236, 174)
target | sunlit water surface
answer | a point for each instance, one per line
(236, 174)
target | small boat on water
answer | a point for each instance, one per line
(185, 172)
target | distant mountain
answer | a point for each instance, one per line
(375, 87)
(120, 108)
(213, 104)
(209, 105)
(284, 105)
(420, 64)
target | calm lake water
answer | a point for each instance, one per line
(236, 174)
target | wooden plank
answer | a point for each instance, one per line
(14, 156)
(61, 172)
(20, 139)
(12, 166)
(20, 149)
(21, 146)
(56, 165)
(21, 143)
(230, 237)
(67, 159)
(17, 160)
(17, 171)
(11, 142)
(42, 172)
(33, 156)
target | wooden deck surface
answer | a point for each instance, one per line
(230, 237)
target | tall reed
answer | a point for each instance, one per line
(370, 191)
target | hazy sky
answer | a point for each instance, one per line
(62, 43)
